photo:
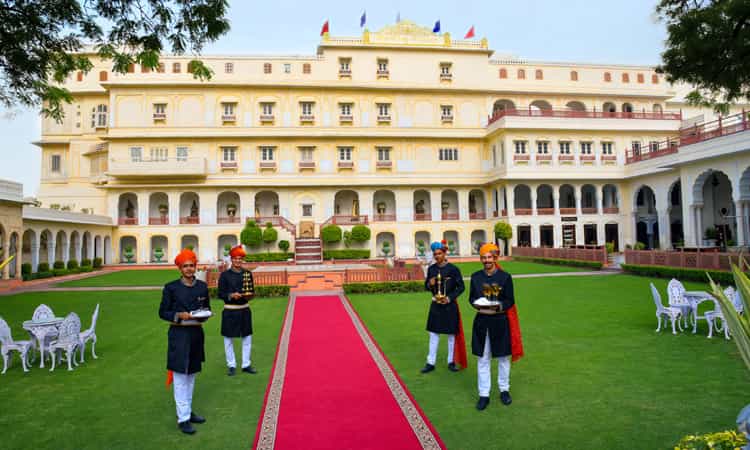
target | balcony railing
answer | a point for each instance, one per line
(346, 118)
(716, 128)
(588, 211)
(347, 220)
(521, 157)
(567, 211)
(175, 167)
(276, 221)
(568, 113)
(383, 217)
(446, 118)
(228, 118)
(158, 220)
(228, 219)
(477, 216)
(609, 158)
(229, 164)
(190, 220)
(346, 164)
(345, 72)
(384, 118)
(522, 211)
(449, 216)
(383, 73)
(611, 210)
(384, 164)
(268, 164)
(266, 117)
(421, 217)
(503, 212)
(306, 164)
(667, 147)
(543, 157)
(545, 211)
(446, 76)
(566, 158)
(307, 118)
(160, 116)
(127, 221)
(587, 158)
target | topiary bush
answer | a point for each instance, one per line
(331, 234)
(98, 263)
(361, 233)
(264, 257)
(58, 265)
(284, 246)
(72, 264)
(346, 254)
(270, 235)
(595, 265)
(384, 287)
(42, 267)
(86, 262)
(251, 236)
(25, 268)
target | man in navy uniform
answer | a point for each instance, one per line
(185, 352)
(236, 289)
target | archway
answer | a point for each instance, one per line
(127, 209)
(676, 230)
(385, 244)
(422, 243)
(522, 200)
(159, 249)
(422, 205)
(266, 204)
(544, 201)
(713, 190)
(190, 205)
(449, 205)
(128, 249)
(646, 221)
(228, 207)
(30, 249)
(451, 239)
(384, 206)
(478, 238)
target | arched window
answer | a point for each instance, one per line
(539, 75)
(99, 116)
(640, 78)
(607, 77)
(521, 74)
(573, 76)
(626, 78)
(655, 79)
(503, 74)
(103, 75)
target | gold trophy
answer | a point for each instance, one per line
(492, 292)
(248, 289)
(440, 296)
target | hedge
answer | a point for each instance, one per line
(682, 274)
(260, 291)
(25, 268)
(58, 265)
(42, 267)
(97, 263)
(595, 265)
(60, 272)
(346, 254)
(72, 264)
(264, 257)
(85, 262)
(330, 234)
(384, 287)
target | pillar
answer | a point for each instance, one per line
(510, 206)
(739, 206)
(35, 254)
(578, 195)
(532, 191)
(556, 201)
(435, 200)
(664, 230)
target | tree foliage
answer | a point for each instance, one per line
(331, 234)
(270, 235)
(251, 236)
(361, 233)
(708, 46)
(43, 42)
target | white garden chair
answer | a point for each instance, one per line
(43, 313)
(7, 345)
(716, 319)
(68, 340)
(90, 335)
(665, 311)
(677, 299)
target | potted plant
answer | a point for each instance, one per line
(386, 248)
(128, 253)
(231, 209)
(710, 237)
(227, 248)
(451, 248)
(421, 249)
(163, 210)
(158, 253)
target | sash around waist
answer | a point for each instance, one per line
(187, 323)
(233, 307)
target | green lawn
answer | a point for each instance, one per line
(596, 375)
(119, 401)
(517, 267)
(135, 277)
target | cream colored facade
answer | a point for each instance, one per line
(423, 136)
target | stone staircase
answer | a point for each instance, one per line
(308, 251)
(315, 281)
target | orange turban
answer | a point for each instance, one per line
(237, 252)
(185, 255)
(488, 248)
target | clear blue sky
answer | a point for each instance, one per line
(606, 31)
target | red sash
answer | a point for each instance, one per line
(516, 345)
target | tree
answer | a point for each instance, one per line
(270, 235)
(708, 46)
(503, 231)
(43, 43)
(251, 236)
(331, 234)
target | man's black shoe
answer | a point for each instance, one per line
(505, 398)
(195, 418)
(231, 371)
(186, 427)
(427, 368)
(482, 403)
(250, 370)
(452, 367)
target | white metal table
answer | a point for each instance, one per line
(41, 331)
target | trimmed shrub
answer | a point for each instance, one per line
(384, 287)
(360, 233)
(98, 263)
(26, 269)
(41, 275)
(594, 265)
(682, 274)
(72, 264)
(270, 235)
(251, 235)
(284, 245)
(86, 262)
(331, 234)
(260, 291)
(42, 267)
(503, 231)
(60, 272)
(263, 257)
(84, 269)
(346, 254)
(58, 265)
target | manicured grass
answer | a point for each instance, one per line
(135, 277)
(119, 401)
(595, 374)
(517, 267)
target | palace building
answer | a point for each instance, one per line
(420, 136)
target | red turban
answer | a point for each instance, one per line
(185, 255)
(237, 252)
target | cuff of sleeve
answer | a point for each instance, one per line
(177, 318)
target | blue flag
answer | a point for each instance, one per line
(363, 19)
(436, 28)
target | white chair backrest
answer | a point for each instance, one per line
(5, 337)
(94, 318)
(70, 328)
(739, 306)
(657, 298)
(42, 313)
(729, 293)
(676, 292)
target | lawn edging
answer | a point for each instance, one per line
(680, 273)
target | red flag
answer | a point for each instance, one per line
(324, 30)
(470, 33)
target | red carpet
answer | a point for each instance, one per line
(337, 391)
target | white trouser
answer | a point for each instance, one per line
(484, 373)
(183, 394)
(247, 344)
(434, 340)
